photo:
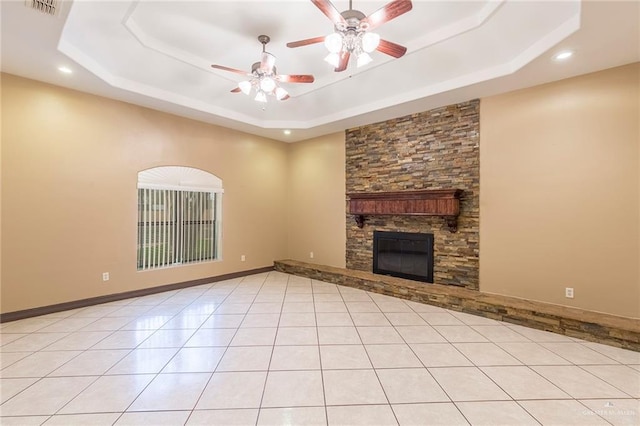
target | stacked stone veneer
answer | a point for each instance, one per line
(437, 149)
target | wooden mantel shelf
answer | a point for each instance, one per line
(428, 202)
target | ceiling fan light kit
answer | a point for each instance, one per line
(353, 36)
(264, 79)
(357, 42)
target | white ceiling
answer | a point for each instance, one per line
(159, 54)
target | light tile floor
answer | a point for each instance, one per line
(273, 349)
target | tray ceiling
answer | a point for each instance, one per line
(159, 54)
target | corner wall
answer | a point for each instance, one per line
(315, 209)
(560, 192)
(69, 208)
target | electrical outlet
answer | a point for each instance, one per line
(242, 258)
(568, 292)
(311, 255)
(105, 276)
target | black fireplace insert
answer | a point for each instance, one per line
(404, 255)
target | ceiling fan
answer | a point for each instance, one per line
(353, 34)
(263, 78)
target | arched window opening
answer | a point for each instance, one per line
(179, 217)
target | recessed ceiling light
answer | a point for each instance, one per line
(65, 70)
(563, 55)
(287, 132)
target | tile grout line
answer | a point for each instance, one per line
(324, 390)
(425, 367)
(197, 401)
(273, 345)
(384, 392)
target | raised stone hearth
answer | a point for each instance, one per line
(593, 326)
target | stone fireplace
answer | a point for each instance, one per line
(432, 150)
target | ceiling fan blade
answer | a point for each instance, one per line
(386, 13)
(306, 42)
(391, 49)
(344, 61)
(236, 90)
(296, 78)
(329, 10)
(267, 62)
(220, 67)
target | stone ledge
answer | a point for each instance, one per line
(598, 327)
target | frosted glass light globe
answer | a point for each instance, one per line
(267, 84)
(245, 87)
(281, 93)
(333, 42)
(363, 59)
(260, 96)
(370, 42)
(333, 59)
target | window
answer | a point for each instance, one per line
(179, 217)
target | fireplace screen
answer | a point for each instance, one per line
(403, 255)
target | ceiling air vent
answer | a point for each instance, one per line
(50, 7)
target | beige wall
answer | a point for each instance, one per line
(560, 192)
(559, 202)
(316, 206)
(0, 193)
(69, 171)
